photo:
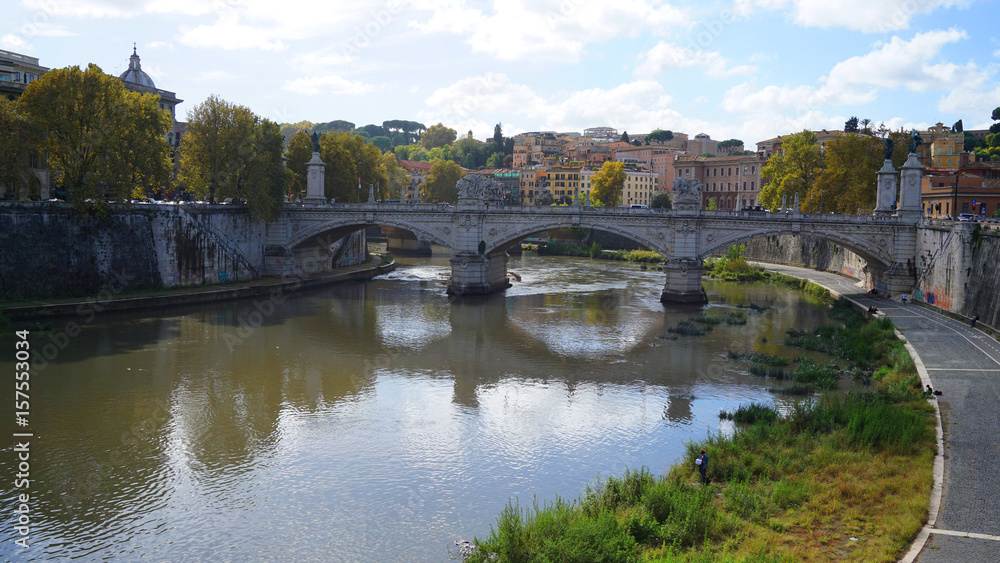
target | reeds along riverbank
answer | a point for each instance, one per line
(829, 480)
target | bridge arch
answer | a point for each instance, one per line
(340, 228)
(507, 239)
(870, 252)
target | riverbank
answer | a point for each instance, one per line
(827, 480)
(110, 300)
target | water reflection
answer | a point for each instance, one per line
(377, 421)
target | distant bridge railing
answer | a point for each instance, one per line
(603, 211)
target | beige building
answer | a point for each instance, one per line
(940, 147)
(732, 182)
(639, 187)
(16, 72)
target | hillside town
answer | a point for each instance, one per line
(557, 168)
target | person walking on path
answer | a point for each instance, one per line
(975, 319)
(702, 463)
(904, 299)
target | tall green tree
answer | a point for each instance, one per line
(847, 183)
(791, 171)
(230, 152)
(442, 182)
(300, 149)
(658, 136)
(437, 136)
(349, 160)
(851, 125)
(608, 183)
(498, 137)
(729, 146)
(19, 140)
(103, 141)
(395, 176)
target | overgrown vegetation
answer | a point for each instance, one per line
(578, 249)
(734, 267)
(829, 479)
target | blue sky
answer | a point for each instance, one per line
(749, 69)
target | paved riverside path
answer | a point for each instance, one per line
(964, 364)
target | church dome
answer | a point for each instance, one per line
(134, 74)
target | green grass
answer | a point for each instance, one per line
(783, 487)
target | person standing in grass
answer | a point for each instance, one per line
(702, 463)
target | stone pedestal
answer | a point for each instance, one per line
(473, 274)
(885, 194)
(910, 178)
(315, 176)
(683, 283)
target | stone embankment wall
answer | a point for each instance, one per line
(958, 265)
(809, 252)
(48, 250)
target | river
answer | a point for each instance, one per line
(368, 422)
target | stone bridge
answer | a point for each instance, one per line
(478, 234)
(480, 229)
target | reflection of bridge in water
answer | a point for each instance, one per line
(479, 232)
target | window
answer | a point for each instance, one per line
(744, 185)
(753, 169)
(744, 169)
(751, 185)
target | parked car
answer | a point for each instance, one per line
(967, 217)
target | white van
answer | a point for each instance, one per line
(638, 206)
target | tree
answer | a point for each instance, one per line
(438, 136)
(265, 183)
(791, 171)
(729, 146)
(383, 143)
(608, 183)
(996, 114)
(851, 125)
(19, 140)
(341, 180)
(216, 148)
(659, 136)
(866, 125)
(625, 137)
(958, 127)
(498, 137)
(395, 176)
(544, 198)
(495, 160)
(300, 149)
(847, 183)
(230, 152)
(442, 179)
(103, 141)
(661, 200)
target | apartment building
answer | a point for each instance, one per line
(728, 182)
(639, 187)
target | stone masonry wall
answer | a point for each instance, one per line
(809, 252)
(47, 250)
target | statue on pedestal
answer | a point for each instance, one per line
(315, 139)
(917, 141)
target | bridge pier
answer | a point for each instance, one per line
(475, 274)
(683, 283)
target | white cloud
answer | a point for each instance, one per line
(640, 105)
(488, 92)
(329, 84)
(860, 15)
(229, 33)
(546, 29)
(889, 65)
(904, 64)
(13, 42)
(667, 56)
